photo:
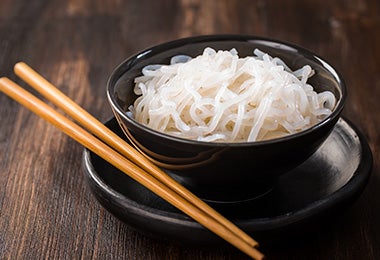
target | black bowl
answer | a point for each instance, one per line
(227, 171)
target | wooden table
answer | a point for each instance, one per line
(46, 209)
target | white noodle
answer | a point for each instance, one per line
(219, 97)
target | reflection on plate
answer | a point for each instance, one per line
(322, 186)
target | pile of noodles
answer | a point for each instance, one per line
(219, 97)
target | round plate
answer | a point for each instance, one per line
(321, 187)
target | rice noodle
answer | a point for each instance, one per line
(220, 97)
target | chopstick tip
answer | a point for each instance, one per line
(3, 79)
(18, 65)
(4, 83)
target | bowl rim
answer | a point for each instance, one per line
(155, 49)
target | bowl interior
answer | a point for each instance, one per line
(121, 83)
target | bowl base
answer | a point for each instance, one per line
(231, 194)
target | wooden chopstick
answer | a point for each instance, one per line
(58, 98)
(89, 141)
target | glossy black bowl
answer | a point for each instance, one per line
(224, 171)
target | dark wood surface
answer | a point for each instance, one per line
(46, 209)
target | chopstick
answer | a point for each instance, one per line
(76, 112)
(95, 145)
(212, 221)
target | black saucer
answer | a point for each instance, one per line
(321, 187)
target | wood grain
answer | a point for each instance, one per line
(46, 209)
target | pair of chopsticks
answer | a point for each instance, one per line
(116, 151)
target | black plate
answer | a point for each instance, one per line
(321, 187)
